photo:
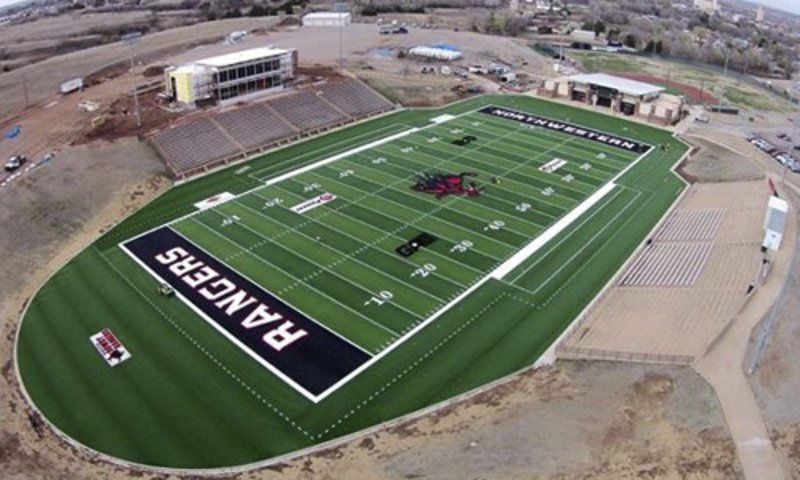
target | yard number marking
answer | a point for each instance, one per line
(381, 298)
(494, 225)
(462, 247)
(524, 207)
(548, 191)
(379, 160)
(311, 187)
(230, 220)
(346, 173)
(273, 202)
(424, 270)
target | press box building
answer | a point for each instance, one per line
(231, 77)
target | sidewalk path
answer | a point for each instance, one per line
(723, 367)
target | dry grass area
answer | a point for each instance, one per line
(727, 89)
(48, 216)
(683, 320)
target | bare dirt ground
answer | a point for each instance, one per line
(47, 217)
(374, 58)
(43, 78)
(717, 163)
(776, 381)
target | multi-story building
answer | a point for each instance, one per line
(708, 6)
(231, 77)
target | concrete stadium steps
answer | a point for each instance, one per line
(305, 110)
(668, 264)
(254, 126)
(690, 225)
(681, 290)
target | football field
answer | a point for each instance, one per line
(344, 281)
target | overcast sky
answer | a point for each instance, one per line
(789, 5)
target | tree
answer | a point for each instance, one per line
(599, 27)
(257, 11)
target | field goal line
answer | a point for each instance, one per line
(498, 273)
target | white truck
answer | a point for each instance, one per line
(71, 85)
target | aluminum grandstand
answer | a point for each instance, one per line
(199, 144)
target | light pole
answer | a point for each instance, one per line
(341, 8)
(131, 40)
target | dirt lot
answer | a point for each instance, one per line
(43, 78)
(374, 58)
(714, 162)
(47, 217)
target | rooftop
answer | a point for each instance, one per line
(624, 85)
(326, 15)
(240, 57)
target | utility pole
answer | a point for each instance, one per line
(25, 88)
(727, 57)
(341, 8)
(131, 40)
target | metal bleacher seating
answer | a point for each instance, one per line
(354, 98)
(254, 126)
(199, 144)
(195, 144)
(306, 110)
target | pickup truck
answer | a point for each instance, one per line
(15, 162)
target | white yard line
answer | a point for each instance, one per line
(197, 345)
(271, 265)
(341, 256)
(498, 273)
(225, 333)
(363, 244)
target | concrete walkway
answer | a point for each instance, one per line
(723, 367)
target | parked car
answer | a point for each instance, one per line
(15, 162)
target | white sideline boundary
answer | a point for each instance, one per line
(497, 274)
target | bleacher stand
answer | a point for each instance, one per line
(306, 110)
(354, 98)
(193, 145)
(200, 144)
(254, 126)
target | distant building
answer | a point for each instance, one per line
(760, 14)
(708, 6)
(436, 53)
(621, 95)
(231, 77)
(326, 19)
